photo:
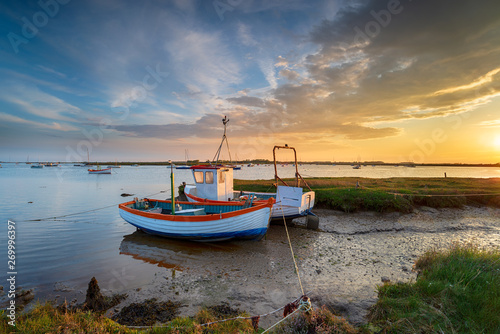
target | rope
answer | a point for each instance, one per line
(246, 318)
(81, 212)
(303, 304)
(290, 243)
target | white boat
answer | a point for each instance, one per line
(116, 165)
(199, 221)
(214, 183)
(185, 166)
(100, 170)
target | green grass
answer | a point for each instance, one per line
(392, 194)
(457, 291)
(45, 318)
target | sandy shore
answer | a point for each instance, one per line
(340, 265)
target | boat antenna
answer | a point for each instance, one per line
(225, 120)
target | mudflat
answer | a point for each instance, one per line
(339, 265)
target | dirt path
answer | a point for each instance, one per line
(340, 265)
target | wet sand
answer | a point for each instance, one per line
(340, 265)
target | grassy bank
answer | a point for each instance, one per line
(351, 194)
(456, 291)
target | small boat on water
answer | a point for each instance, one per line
(116, 165)
(51, 164)
(185, 166)
(100, 170)
(199, 221)
(37, 166)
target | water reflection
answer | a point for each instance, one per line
(171, 253)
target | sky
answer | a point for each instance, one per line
(339, 80)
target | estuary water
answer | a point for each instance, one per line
(59, 255)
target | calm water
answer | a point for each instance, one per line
(72, 249)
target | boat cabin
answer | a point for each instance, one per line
(213, 182)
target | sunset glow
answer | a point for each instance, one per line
(340, 80)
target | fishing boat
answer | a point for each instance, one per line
(234, 167)
(214, 183)
(100, 170)
(199, 221)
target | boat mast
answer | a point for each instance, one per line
(225, 120)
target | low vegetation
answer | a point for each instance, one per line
(457, 291)
(351, 194)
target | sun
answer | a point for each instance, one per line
(496, 141)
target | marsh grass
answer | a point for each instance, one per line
(45, 318)
(320, 320)
(351, 194)
(456, 291)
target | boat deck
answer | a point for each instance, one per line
(185, 208)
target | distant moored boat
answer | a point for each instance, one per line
(100, 170)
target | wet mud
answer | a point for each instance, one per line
(339, 265)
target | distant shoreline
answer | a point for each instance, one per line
(267, 162)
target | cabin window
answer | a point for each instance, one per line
(198, 177)
(209, 177)
(222, 177)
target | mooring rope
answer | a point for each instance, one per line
(82, 212)
(289, 241)
(304, 305)
(249, 317)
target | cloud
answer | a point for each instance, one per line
(490, 124)
(250, 101)
(50, 126)
(203, 60)
(38, 103)
(434, 59)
